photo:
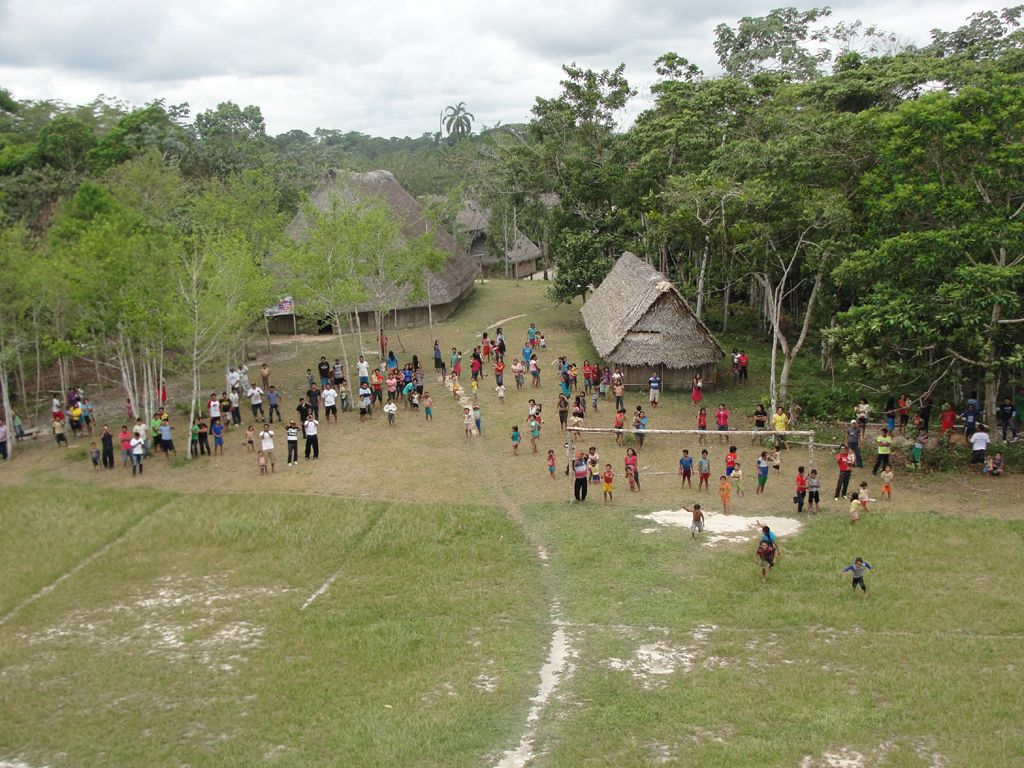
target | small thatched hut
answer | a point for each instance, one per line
(640, 323)
(487, 244)
(447, 288)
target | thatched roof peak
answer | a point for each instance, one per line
(638, 317)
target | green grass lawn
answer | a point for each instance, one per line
(172, 630)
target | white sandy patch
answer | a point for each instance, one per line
(720, 528)
(179, 618)
(16, 764)
(842, 758)
(651, 663)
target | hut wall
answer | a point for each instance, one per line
(672, 379)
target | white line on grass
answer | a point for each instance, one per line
(90, 559)
(323, 588)
(555, 668)
(514, 317)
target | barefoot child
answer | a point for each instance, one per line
(250, 439)
(725, 494)
(551, 464)
(776, 461)
(887, 476)
(516, 439)
(801, 489)
(704, 471)
(534, 433)
(467, 422)
(862, 495)
(428, 407)
(606, 486)
(857, 568)
(854, 509)
(737, 478)
(391, 409)
(94, 454)
(631, 479)
(697, 525)
(686, 470)
(261, 463)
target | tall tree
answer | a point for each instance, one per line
(458, 121)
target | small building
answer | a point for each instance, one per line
(640, 323)
(446, 289)
(499, 253)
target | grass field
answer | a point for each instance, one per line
(394, 603)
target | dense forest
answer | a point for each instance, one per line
(831, 188)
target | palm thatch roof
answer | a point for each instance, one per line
(636, 317)
(451, 282)
(476, 221)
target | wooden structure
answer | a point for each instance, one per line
(640, 324)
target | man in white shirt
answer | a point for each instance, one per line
(979, 442)
(233, 378)
(267, 445)
(309, 429)
(330, 398)
(256, 400)
(236, 411)
(213, 408)
(363, 368)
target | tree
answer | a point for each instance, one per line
(772, 43)
(943, 257)
(219, 288)
(458, 121)
(16, 254)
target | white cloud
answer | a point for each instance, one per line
(383, 69)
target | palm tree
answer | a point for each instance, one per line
(458, 121)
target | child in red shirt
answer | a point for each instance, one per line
(801, 489)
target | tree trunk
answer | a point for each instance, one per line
(702, 275)
(725, 306)
(341, 340)
(4, 385)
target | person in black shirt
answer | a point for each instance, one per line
(303, 410)
(313, 395)
(107, 441)
(325, 371)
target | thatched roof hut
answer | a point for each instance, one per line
(487, 244)
(447, 288)
(640, 323)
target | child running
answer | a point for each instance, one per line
(697, 524)
(606, 486)
(857, 568)
(516, 439)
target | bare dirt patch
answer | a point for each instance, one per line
(720, 528)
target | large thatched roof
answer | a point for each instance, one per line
(637, 317)
(459, 271)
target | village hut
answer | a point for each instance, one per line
(498, 254)
(640, 323)
(445, 289)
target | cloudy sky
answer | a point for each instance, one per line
(384, 68)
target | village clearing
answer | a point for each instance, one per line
(161, 622)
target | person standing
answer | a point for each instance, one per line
(256, 400)
(138, 446)
(853, 433)
(309, 429)
(439, 366)
(339, 372)
(979, 443)
(655, 385)
(292, 434)
(235, 405)
(324, 370)
(107, 443)
(579, 469)
(265, 377)
(267, 445)
(697, 523)
(1006, 415)
(883, 444)
(330, 398)
(801, 489)
(363, 370)
(313, 398)
(274, 403)
(843, 483)
(124, 437)
(780, 423)
(204, 438)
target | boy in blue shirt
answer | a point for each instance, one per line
(857, 568)
(685, 470)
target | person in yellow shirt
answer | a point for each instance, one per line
(780, 423)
